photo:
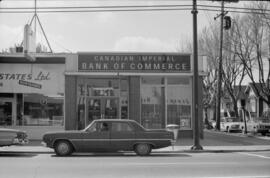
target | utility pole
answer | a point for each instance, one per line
(196, 126)
(219, 68)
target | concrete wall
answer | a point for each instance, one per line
(134, 98)
(70, 103)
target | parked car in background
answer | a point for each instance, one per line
(259, 125)
(107, 135)
(230, 124)
(12, 137)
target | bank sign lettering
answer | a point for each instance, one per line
(133, 63)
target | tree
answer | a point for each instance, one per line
(251, 45)
(208, 46)
(233, 68)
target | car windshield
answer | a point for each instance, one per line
(232, 119)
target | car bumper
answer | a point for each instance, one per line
(17, 141)
(44, 144)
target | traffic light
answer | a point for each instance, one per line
(228, 22)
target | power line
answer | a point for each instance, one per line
(126, 10)
(131, 6)
(94, 7)
(100, 10)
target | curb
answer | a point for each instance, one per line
(169, 150)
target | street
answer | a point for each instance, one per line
(229, 164)
(225, 155)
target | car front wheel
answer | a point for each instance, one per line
(143, 149)
(63, 148)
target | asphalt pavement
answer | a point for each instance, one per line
(213, 141)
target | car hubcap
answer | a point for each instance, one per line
(63, 148)
(142, 148)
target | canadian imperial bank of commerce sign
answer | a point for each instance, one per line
(134, 63)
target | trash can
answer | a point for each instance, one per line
(173, 128)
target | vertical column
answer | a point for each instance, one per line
(134, 99)
(70, 103)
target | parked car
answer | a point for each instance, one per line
(109, 135)
(12, 137)
(258, 124)
(230, 124)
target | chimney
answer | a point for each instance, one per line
(29, 41)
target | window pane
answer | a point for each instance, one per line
(98, 87)
(179, 99)
(152, 80)
(43, 110)
(121, 127)
(124, 99)
(5, 112)
(153, 110)
(178, 81)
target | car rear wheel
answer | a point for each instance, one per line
(143, 149)
(63, 148)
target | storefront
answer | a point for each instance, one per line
(153, 89)
(32, 93)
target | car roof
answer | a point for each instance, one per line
(115, 120)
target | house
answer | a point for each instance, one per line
(226, 105)
(255, 105)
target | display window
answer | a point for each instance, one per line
(41, 110)
(166, 100)
(31, 110)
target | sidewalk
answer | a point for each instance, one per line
(175, 149)
(213, 142)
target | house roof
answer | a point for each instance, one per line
(253, 87)
(241, 89)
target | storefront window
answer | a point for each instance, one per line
(152, 80)
(166, 101)
(179, 100)
(124, 98)
(152, 103)
(41, 110)
(5, 112)
(98, 87)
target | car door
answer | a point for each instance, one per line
(97, 137)
(122, 136)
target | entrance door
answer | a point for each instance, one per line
(5, 112)
(102, 108)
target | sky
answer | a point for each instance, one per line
(146, 31)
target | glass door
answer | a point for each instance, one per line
(102, 108)
(93, 110)
(111, 107)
